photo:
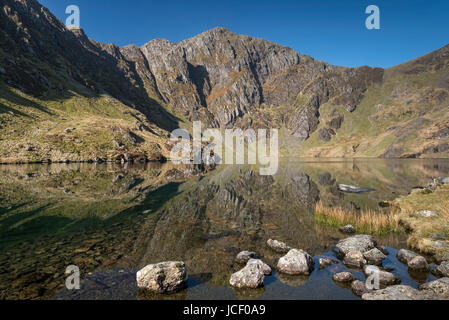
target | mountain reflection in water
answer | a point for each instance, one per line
(111, 220)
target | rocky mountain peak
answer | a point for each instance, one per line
(219, 77)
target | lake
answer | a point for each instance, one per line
(110, 220)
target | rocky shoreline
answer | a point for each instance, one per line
(358, 252)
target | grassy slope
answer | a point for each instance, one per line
(421, 228)
(96, 121)
(386, 117)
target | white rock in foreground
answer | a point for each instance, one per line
(296, 262)
(251, 277)
(163, 277)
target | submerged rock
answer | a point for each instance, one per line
(347, 229)
(353, 189)
(278, 246)
(163, 277)
(244, 256)
(296, 262)
(439, 287)
(399, 292)
(251, 276)
(343, 277)
(327, 261)
(418, 263)
(405, 256)
(266, 269)
(374, 256)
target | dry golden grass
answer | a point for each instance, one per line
(365, 221)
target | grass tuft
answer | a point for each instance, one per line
(365, 221)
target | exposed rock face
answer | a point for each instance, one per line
(296, 262)
(405, 255)
(326, 134)
(278, 246)
(399, 292)
(343, 277)
(244, 256)
(163, 277)
(439, 287)
(374, 256)
(266, 269)
(418, 263)
(251, 276)
(217, 76)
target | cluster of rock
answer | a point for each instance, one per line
(294, 262)
(362, 251)
(359, 251)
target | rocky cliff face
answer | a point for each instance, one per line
(223, 79)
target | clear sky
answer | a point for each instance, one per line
(329, 30)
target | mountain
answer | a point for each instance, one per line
(67, 97)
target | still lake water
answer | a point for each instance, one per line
(111, 220)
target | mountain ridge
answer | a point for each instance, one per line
(221, 78)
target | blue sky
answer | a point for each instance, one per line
(329, 30)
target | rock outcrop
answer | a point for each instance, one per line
(296, 262)
(251, 276)
(164, 277)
